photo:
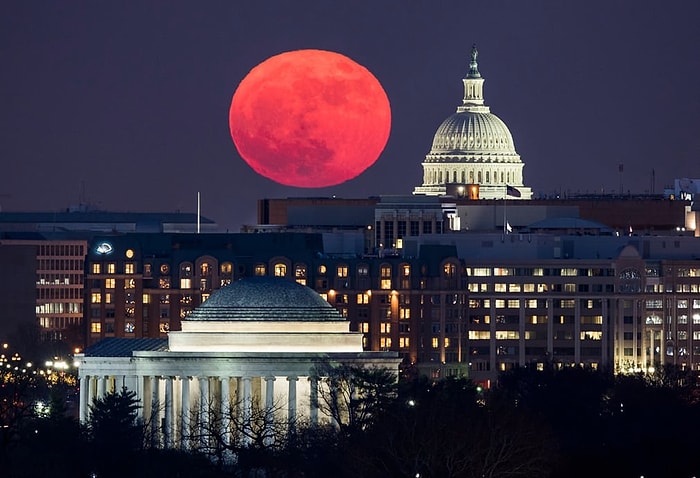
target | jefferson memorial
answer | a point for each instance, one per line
(255, 341)
(474, 147)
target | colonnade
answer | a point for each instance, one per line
(177, 410)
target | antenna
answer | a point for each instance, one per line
(199, 209)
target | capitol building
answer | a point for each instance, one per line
(474, 150)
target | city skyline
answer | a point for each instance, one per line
(124, 107)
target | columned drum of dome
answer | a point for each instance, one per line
(473, 146)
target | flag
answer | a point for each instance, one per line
(511, 191)
(508, 228)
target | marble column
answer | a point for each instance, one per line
(269, 410)
(292, 402)
(84, 390)
(101, 386)
(185, 414)
(204, 411)
(247, 410)
(313, 398)
(168, 421)
(225, 410)
(155, 411)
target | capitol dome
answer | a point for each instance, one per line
(265, 299)
(467, 132)
(473, 147)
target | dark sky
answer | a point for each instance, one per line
(128, 101)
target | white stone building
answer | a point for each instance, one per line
(474, 147)
(255, 341)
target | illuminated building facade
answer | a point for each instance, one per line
(473, 147)
(44, 282)
(475, 304)
(43, 259)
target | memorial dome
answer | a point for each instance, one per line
(265, 299)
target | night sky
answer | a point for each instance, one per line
(124, 105)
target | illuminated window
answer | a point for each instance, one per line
(447, 342)
(342, 271)
(449, 270)
(363, 298)
(482, 271)
(499, 288)
(403, 342)
(300, 273)
(280, 270)
(405, 270)
(129, 254)
(513, 287)
(226, 268)
(385, 328)
(164, 283)
(322, 269)
(164, 268)
(435, 342)
(129, 268)
(129, 283)
(186, 283)
(111, 268)
(385, 282)
(164, 327)
(96, 298)
(147, 270)
(528, 287)
(507, 335)
(364, 327)
(205, 268)
(110, 283)
(591, 335)
(479, 335)
(95, 327)
(385, 342)
(513, 303)
(146, 299)
(108, 298)
(260, 270)
(129, 327)
(96, 268)
(404, 313)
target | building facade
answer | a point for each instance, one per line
(473, 304)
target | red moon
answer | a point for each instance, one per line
(310, 118)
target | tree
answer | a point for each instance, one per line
(114, 432)
(352, 395)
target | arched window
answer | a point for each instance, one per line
(280, 269)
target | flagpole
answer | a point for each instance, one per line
(505, 203)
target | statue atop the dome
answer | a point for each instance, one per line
(473, 66)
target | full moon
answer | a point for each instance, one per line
(310, 118)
